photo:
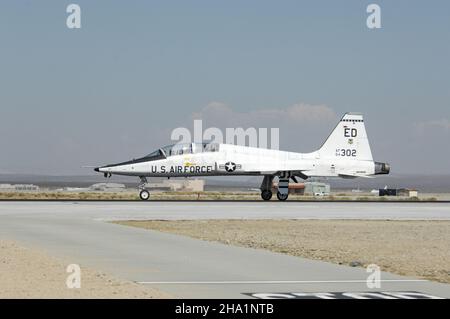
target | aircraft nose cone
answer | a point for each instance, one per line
(97, 169)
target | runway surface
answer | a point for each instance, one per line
(190, 268)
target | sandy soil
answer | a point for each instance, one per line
(209, 195)
(28, 273)
(412, 248)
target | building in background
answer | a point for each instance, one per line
(107, 187)
(317, 189)
(177, 185)
(307, 188)
(18, 188)
(407, 192)
(7, 188)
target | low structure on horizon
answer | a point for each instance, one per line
(174, 185)
(18, 188)
(107, 187)
(307, 188)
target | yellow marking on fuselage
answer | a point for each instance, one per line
(189, 164)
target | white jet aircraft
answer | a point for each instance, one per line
(346, 153)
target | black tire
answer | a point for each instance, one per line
(282, 197)
(266, 195)
(144, 194)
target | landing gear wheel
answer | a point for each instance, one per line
(282, 197)
(144, 194)
(266, 195)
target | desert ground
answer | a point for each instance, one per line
(209, 195)
(418, 249)
(31, 273)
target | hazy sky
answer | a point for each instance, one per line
(115, 88)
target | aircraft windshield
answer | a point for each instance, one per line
(155, 154)
(184, 148)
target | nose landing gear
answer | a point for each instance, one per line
(143, 194)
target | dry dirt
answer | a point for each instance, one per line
(29, 273)
(208, 195)
(412, 248)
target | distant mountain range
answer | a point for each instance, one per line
(423, 183)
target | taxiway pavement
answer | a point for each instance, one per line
(190, 268)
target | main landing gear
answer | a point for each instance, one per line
(266, 187)
(266, 194)
(283, 186)
(282, 196)
(143, 194)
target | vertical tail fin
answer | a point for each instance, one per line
(348, 140)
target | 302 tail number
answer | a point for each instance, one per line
(345, 152)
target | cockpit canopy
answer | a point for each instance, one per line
(183, 148)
